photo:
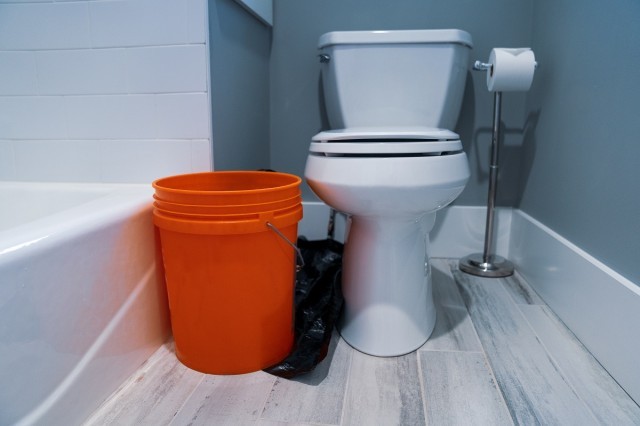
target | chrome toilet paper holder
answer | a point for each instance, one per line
(486, 264)
(481, 66)
(484, 66)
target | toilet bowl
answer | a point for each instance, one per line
(391, 191)
(389, 162)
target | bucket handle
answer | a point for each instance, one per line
(300, 265)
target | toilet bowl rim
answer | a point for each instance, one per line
(381, 134)
(380, 147)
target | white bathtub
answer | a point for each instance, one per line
(82, 302)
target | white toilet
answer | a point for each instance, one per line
(390, 162)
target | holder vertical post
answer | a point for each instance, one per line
(486, 264)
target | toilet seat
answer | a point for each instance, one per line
(385, 141)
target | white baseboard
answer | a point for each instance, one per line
(459, 230)
(316, 218)
(600, 306)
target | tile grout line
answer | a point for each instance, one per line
(585, 348)
(497, 386)
(129, 383)
(520, 278)
(202, 377)
(466, 309)
(557, 366)
(558, 325)
(484, 352)
(264, 404)
(530, 290)
(346, 386)
(422, 388)
(451, 350)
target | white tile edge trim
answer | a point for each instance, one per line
(578, 251)
(600, 306)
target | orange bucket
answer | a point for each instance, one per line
(230, 276)
(239, 188)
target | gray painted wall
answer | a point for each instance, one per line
(296, 113)
(240, 49)
(582, 171)
(571, 145)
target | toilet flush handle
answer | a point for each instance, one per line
(324, 58)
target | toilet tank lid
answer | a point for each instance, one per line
(382, 133)
(395, 36)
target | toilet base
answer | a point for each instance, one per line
(391, 349)
(386, 282)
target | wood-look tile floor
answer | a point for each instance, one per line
(498, 356)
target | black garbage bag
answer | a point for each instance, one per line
(318, 302)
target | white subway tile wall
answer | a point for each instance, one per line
(103, 91)
(18, 71)
(7, 165)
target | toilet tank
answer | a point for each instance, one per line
(394, 78)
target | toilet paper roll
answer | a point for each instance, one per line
(511, 69)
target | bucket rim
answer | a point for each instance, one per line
(292, 200)
(225, 226)
(235, 216)
(296, 181)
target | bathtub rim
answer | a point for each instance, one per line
(120, 201)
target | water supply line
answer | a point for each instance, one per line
(331, 226)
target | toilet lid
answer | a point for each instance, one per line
(359, 141)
